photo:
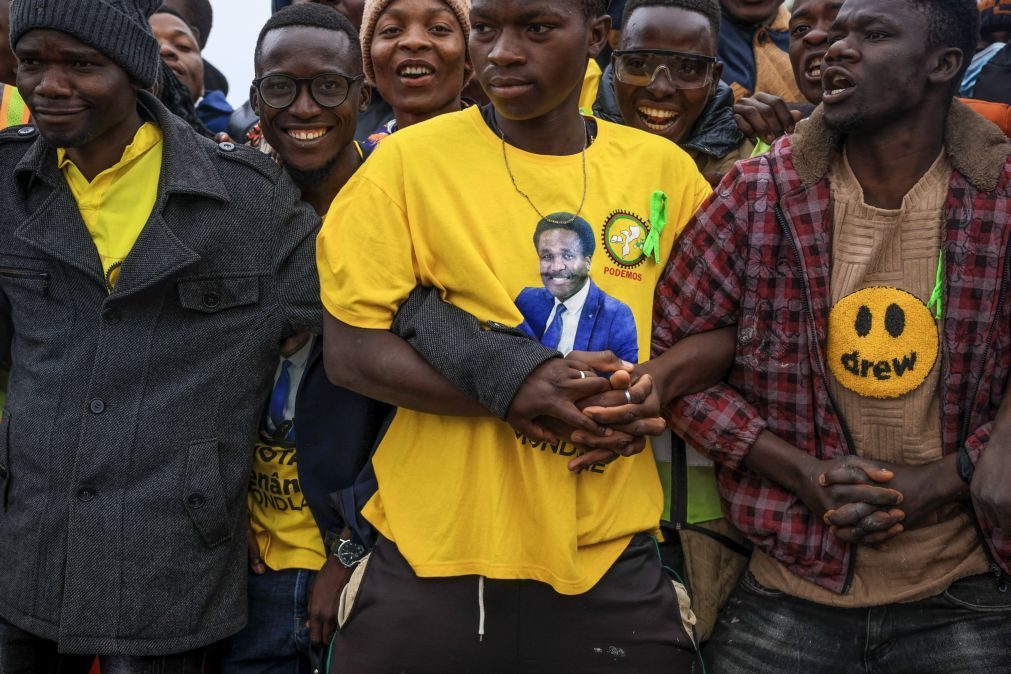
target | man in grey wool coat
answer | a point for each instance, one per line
(140, 263)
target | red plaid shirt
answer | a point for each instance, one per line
(759, 255)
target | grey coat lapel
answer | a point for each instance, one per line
(55, 227)
(187, 173)
(157, 255)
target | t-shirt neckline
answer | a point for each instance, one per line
(515, 153)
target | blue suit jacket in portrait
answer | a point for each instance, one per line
(605, 324)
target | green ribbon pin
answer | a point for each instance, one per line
(936, 303)
(761, 147)
(657, 221)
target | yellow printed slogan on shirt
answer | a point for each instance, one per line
(437, 206)
(279, 515)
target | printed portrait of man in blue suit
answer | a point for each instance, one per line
(570, 313)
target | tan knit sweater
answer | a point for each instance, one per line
(895, 249)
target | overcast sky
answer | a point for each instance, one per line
(233, 37)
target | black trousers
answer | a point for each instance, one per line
(629, 622)
(24, 653)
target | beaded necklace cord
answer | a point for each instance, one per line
(587, 139)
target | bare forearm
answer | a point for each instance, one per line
(382, 366)
(945, 484)
(693, 364)
(777, 460)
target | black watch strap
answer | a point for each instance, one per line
(332, 542)
(966, 468)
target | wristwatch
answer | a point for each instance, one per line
(347, 552)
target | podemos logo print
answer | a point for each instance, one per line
(623, 238)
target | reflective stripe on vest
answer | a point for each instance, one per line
(13, 111)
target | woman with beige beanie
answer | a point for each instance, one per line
(415, 53)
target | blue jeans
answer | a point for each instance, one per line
(276, 639)
(965, 629)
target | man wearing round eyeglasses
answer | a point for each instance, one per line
(664, 78)
(308, 101)
(308, 93)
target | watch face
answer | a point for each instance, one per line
(350, 553)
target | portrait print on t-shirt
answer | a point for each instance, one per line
(570, 312)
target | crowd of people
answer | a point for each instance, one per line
(506, 336)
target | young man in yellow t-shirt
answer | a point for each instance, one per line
(494, 555)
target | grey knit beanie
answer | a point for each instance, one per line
(117, 28)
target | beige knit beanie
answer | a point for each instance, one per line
(375, 8)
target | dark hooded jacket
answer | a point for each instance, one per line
(715, 142)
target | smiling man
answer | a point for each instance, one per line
(308, 92)
(123, 530)
(571, 312)
(493, 555)
(664, 78)
(862, 261)
(308, 99)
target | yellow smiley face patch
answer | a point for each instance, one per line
(882, 342)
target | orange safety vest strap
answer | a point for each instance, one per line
(13, 111)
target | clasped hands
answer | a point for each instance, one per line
(871, 502)
(594, 400)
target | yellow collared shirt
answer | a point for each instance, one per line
(117, 204)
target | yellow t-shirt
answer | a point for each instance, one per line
(591, 87)
(436, 206)
(279, 515)
(117, 204)
(286, 533)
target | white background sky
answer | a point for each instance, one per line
(237, 23)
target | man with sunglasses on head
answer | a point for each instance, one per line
(308, 93)
(664, 78)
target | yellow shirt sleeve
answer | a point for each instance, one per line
(364, 252)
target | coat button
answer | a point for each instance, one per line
(96, 406)
(212, 300)
(112, 316)
(27, 131)
(195, 500)
(85, 494)
(227, 147)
